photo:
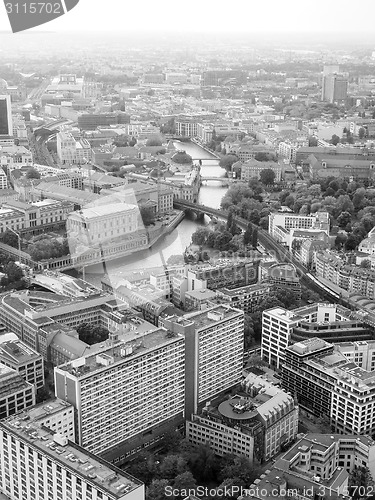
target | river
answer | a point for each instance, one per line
(176, 242)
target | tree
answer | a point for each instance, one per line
(156, 490)
(147, 214)
(249, 333)
(14, 276)
(267, 176)
(200, 236)
(261, 156)
(227, 161)
(133, 141)
(335, 139)
(203, 463)
(92, 334)
(9, 238)
(172, 466)
(237, 467)
(343, 219)
(256, 361)
(229, 220)
(154, 141)
(32, 173)
(361, 133)
(359, 198)
(184, 481)
(171, 440)
(359, 480)
(144, 468)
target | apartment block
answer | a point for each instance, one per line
(327, 384)
(288, 221)
(257, 424)
(24, 360)
(245, 298)
(214, 352)
(226, 273)
(15, 393)
(330, 322)
(126, 394)
(37, 463)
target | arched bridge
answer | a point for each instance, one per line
(226, 181)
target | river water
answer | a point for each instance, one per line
(175, 243)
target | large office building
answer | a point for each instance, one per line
(6, 126)
(127, 394)
(40, 318)
(38, 463)
(257, 423)
(334, 88)
(328, 384)
(330, 322)
(214, 352)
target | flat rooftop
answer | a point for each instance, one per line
(17, 351)
(120, 351)
(44, 410)
(72, 457)
(213, 315)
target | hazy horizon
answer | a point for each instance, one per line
(244, 16)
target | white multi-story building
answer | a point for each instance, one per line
(277, 327)
(287, 221)
(328, 384)
(3, 180)
(38, 464)
(214, 352)
(255, 426)
(126, 394)
(66, 147)
(281, 327)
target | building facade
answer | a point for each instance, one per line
(125, 395)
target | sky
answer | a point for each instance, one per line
(266, 16)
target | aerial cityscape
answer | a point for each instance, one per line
(187, 253)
